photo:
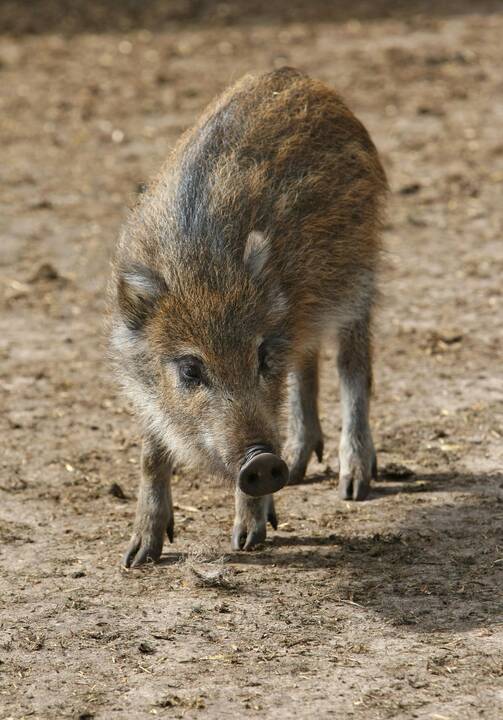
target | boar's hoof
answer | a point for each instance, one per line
(243, 539)
(354, 483)
(301, 459)
(353, 488)
(264, 474)
(142, 549)
(272, 516)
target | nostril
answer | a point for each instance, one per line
(276, 472)
(252, 477)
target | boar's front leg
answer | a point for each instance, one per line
(154, 512)
(251, 519)
(305, 436)
(356, 453)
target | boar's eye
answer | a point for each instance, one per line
(191, 371)
(263, 365)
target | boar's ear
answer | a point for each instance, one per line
(138, 290)
(256, 252)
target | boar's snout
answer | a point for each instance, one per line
(262, 473)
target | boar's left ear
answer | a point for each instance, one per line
(256, 252)
(138, 290)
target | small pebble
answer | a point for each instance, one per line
(116, 490)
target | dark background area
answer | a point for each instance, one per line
(65, 16)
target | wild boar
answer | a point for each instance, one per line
(259, 239)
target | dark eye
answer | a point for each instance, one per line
(191, 371)
(263, 367)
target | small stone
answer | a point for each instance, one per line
(395, 471)
(146, 649)
(410, 189)
(45, 273)
(117, 136)
(116, 490)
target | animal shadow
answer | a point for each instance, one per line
(440, 568)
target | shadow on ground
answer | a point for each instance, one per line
(440, 569)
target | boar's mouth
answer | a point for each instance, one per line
(262, 472)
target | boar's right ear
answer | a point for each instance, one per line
(138, 290)
(256, 253)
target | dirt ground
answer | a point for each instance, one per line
(390, 608)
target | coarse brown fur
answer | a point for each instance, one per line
(261, 231)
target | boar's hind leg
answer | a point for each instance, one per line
(356, 453)
(251, 519)
(154, 512)
(305, 435)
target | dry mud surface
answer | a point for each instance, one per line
(390, 608)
